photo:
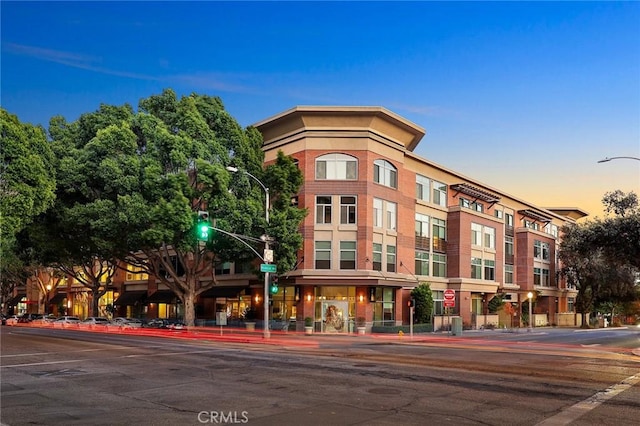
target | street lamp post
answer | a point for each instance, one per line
(616, 158)
(530, 296)
(266, 332)
(46, 299)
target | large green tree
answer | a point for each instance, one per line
(27, 185)
(601, 258)
(185, 147)
(132, 184)
(96, 161)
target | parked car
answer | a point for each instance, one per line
(66, 321)
(12, 320)
(169, 324)
(123, 322)
(92, 322)
(24, 318)
(45, 320)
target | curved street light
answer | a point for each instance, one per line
(266, 239)
(615, 158)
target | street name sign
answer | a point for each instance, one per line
(268, 267)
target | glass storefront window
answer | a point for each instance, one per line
(384, 306)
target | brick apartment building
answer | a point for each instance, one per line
(381, 220)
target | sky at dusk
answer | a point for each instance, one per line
(525, 97)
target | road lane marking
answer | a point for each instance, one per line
(574, 412)
(41, 363)
(167, 354)
(47, 353)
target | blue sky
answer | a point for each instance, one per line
(525, 97)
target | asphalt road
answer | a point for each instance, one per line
(547, 377)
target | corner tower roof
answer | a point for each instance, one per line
(341, 118)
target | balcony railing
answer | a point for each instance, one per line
(422, 243)
(439, 245)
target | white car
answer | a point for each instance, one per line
(66, 321)
(94, 322)
(126, 322)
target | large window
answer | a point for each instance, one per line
(377, 212)
(422, 262)
(391, 258)
(385, 173)
(438, 302)
(377, 257)
(508, 219)
(348, 210)
(508, 274)
(391, 215)
(422, 188)
(541, 250)
(541, 277)
(439, 265)
(323, 209)
(384, 306)
(508, 246)
(422, 231)
(439, 228)
(489, 237)
(439, 193)
(476, 268)
(323, 254)
(489, 270)
(347, 255)
(476, 234)
(336, 167)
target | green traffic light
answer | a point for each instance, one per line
(274, 288)
(203, 231)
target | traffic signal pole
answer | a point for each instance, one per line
(411, 322)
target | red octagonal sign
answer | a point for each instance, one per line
(449, 294)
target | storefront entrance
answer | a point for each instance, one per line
(334, 310)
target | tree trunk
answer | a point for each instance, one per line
(189, 309)
(585, 323)
(95, 299)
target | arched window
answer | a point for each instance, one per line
(336, 167)
(385, 173)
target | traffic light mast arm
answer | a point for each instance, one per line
(240, 238)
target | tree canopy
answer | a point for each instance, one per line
(132, 183)
(27, 185)
(601, 258)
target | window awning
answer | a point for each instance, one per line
(16, 299)
(161, 296)
(229, 291)
(57, 298)
(129, 298)
(476, 193)
(539, 217)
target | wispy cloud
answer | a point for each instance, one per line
(70, 59)
(201, 80)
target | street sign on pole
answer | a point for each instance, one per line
(449, 294)
(268, 267)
